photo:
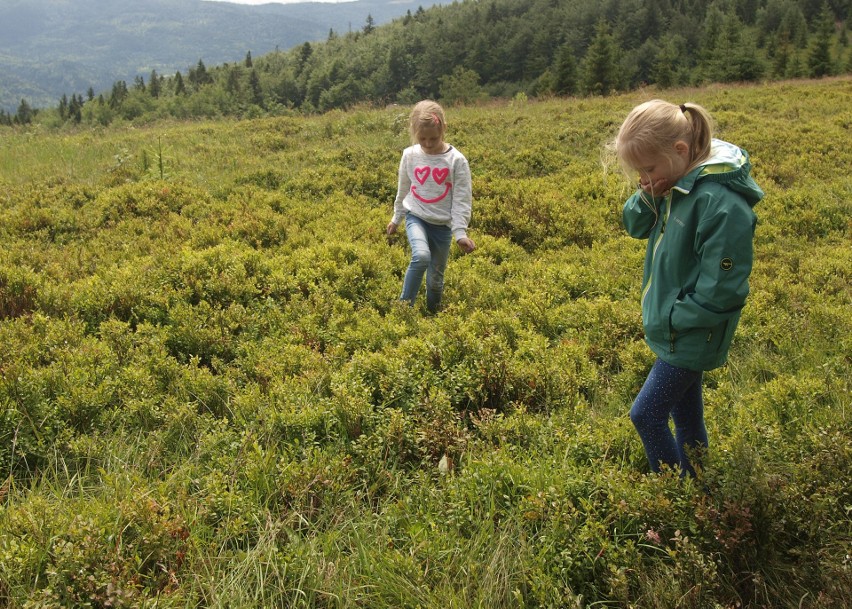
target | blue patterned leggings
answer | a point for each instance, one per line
(671, 392)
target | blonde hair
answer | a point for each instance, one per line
(651, 130)
(426, 114)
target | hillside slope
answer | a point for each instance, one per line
(53, 47)
(209, 396)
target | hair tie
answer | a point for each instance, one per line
(435, 119)
(683, 108)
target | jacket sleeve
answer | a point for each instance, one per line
(640, 214)
(462, 199)
(402, 189)
(724, 245)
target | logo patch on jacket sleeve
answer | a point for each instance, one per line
(727, 264)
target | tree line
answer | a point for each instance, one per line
(479, 49)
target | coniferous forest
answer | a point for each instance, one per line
(475, 50)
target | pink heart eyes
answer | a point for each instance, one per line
(440, 175)
(421, 174)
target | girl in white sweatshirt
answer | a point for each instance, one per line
(434, 198)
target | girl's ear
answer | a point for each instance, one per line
(682, 148)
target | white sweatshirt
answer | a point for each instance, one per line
(435, 188)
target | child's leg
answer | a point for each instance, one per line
(690, 431)
(440, 241)
(421, 257)
(662, 392)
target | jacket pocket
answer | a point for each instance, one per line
(657, 315)
(675, 334)
(716, 336)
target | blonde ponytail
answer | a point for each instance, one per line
(652, 128)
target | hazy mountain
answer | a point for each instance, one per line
(53, 47)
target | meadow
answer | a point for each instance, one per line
(209, 396)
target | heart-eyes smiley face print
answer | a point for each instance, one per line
(434, 182)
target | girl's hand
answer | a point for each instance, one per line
(655, 188)
(391, 229)
(466, 244)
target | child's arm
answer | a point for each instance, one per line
(402, 188)
(640, 214)
(462, 204)
(466, 244)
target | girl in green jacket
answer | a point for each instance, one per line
(694, 206)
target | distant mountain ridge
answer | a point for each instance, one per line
(53, 47)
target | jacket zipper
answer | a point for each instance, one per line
(654, 252)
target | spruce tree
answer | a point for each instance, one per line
(600, 73)
(75, 108)
(232, 82)
(712, 43)
(118, 95)
(305, 53)
(255, 89)
(565, 79)
(154, 84)
(665, 61)
(819, 59)
(25, 113)
(180, 87)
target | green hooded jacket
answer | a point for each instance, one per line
(698, 259)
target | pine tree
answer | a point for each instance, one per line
(304, 54)
(154, 84)
(565, 79)
(737, 56)
(819, 59)
(712, 40)
(25, 113)
(199, 76)
(462, 86)
(781, 60)
(118, 95)
(248, 62)
(75, 108)
(180, 87)
(665, 61)
(255, 89)
(600, 73)
(232, 82)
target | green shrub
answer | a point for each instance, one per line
(210, 394)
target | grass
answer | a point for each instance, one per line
(209, 397)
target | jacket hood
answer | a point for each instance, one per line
(728, 165)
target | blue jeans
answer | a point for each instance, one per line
(430, 250)
(671, 392)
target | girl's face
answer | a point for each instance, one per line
(431, 140)
(664, 170)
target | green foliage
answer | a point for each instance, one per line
(466, 52)
(210, 396)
